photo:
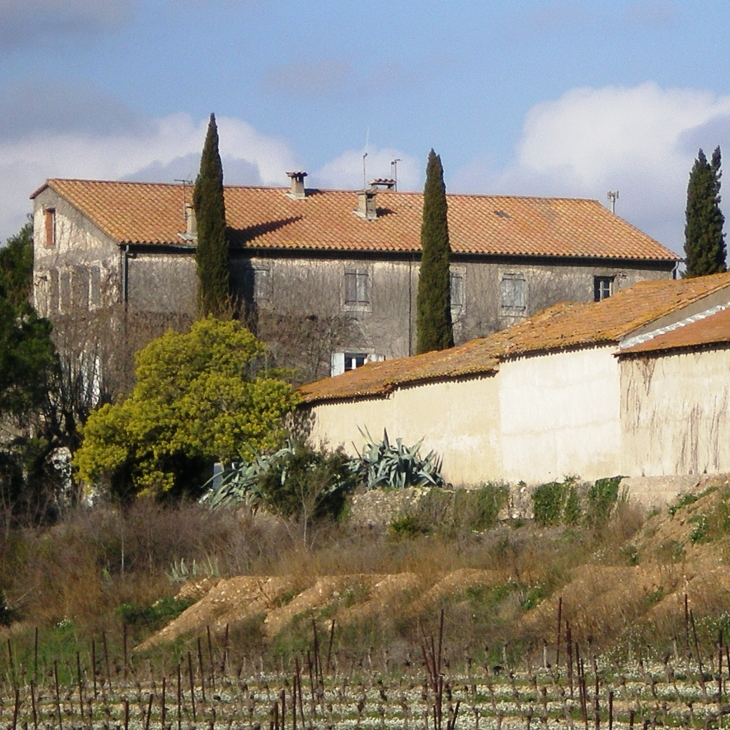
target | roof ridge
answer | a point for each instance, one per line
(136, 211)
(483, 196)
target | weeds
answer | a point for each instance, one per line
(556, 503)
(153, 617)
(570, 504)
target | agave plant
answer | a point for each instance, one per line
(397, 465)
(239, 484)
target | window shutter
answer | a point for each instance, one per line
(338, 363)
(513, 292)
(351, 287)
(457, 290)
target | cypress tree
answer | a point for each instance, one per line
(704, 246)
(210, 211)
(433, 307)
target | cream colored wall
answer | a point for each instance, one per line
(79, 245)
(458, 419)
(560, 416)
(674, 414)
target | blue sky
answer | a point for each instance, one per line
(549, 97)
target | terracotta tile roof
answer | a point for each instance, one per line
(268, 218)
(712, 330)
(561, 327)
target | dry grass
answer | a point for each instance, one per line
(620, 586)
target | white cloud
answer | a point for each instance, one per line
(641, 141)
(171, 144)
(346, 171)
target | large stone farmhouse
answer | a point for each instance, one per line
(327, 278)
(635, 385)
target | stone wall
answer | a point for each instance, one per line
(378, 508)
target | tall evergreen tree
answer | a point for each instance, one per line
(704, 247)
(433, 308)
(210, 212)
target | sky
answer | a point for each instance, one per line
(519, 97)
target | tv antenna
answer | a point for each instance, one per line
(185, 183)
(612, 195)
(364, 167)
(394, 171)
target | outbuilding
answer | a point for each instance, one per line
(623, 386)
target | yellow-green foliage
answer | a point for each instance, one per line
(193, 400)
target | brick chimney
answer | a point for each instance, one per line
(366, 207)
(191, 222)
(191, 225)
(297, 190)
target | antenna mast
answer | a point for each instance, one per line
(364, 171)
(185, 183)
(394, 172)
(612, 195)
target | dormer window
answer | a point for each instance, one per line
(602, 288)
(49, 219)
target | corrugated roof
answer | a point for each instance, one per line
(561, 327)
(148, 213)
(711, 330)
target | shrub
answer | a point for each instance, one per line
(408, 526)
(195, 402)
(563, 503)
(296, 481)
(601, 500)
(477, 510)
(303, 483)
(153, 617)
(549, 502)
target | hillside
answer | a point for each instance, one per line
(619, 588)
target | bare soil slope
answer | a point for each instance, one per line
(676, 552)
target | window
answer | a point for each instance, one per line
(53, 298)
(357, 288)
(344, 361)
(457, 291)
(513, 293)
(261, 285)
(49, 219)
(80, 288)
(65, 291)
(602, 287)
(94, 287)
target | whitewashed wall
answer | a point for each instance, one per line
(674, 414)
(538, 419)
(560, 416)
(459, 419)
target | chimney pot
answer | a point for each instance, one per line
(297, 190)
(383, 183)
(366, 206)
(191, 223)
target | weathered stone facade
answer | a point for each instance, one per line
(321, 307)
(306, 296)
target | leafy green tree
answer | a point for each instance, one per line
(210, 212)
(195, 402)
(433, 308)
(705, 251)
(26, 353)
(16, 267)
(28, 367)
